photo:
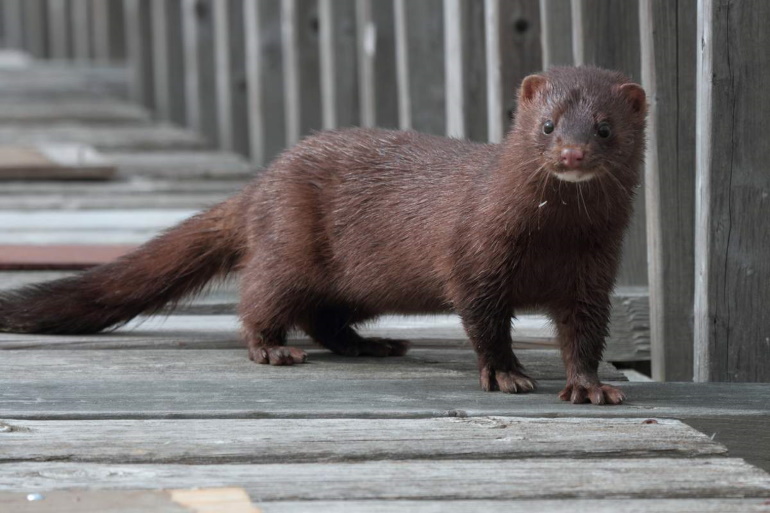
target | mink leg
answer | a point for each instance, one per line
(331, 327)
(581, 331)
(499, 369)
(265, 317)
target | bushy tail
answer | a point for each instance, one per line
(173, 265)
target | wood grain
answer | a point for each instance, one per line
(732, 335)
(219, 441)
(410, 479)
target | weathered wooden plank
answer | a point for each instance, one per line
(556, 32)
(449, 479)
(58, 257)
(35, 25)
(385, 67)
(283, 392)
(668, 74)
(239, 105)
(54, 162)
(139, 51)
(541, 506)
(129, 364)
(116, 138)
(204, 500)
(325, 440)
(496, 115)
(59, 36)
(75, 110)
(608, 33)
(223, 66)
(732, 336)
(182, 165)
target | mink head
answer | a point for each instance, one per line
(584, 122)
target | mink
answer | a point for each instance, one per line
(351, 224)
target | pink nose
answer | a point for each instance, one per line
(571, 157)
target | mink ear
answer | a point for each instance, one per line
(635, 95)
(530, 86)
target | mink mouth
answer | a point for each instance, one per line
(574, 175)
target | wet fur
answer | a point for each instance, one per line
(352, 224)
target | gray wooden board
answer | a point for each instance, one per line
(232, 365)
(555, 478)
(609, 32)
(79, 110)
(541, 506)
(104, 137)
(293, 392)
(210, 441)
(182, 165)
(732, 329)
(669, 75)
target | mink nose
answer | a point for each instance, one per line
(571, 157)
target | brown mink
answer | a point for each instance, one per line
(351, 224)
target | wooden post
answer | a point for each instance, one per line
(254, 77)
(81, 29)
(426, 67)
(290, 47)
(556, 32)
(100, 27)
(367, 51)
(13, 34)
(402, 66)
(732, 230)
(606, 34)
(495, 111)
(668, 32)
(222, 73)
(58, 30)
(35, 27)
(139, 51)
(200, 74)
(454, 69)
(161, 58)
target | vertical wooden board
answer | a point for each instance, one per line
(520, 47)
(272, 78)
(454, 67)
(80, 11)
(475, 71)
(346, 88)
(668, 74)
(139, 50)
(59, 38)
(116, 31)
(35, 20)
(309, 66)
(100, 26)
(237, 82)
(732, 331)
(556, 32)
(386, 97)
(609, 36)
(13, 35)
(204, 19)
(220, 15)
(426, 65)
(175, 62)
(159, 21)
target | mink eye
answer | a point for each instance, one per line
(604, 130)
(548, 127)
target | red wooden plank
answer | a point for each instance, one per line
(26, 257)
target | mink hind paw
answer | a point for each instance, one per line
(595, 393)
(510, 381)
(277, 355)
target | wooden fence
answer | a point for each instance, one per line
(254, 76)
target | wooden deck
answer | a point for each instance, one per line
(101, 423)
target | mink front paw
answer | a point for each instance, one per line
(277, 355)
(508, 381)
(594, 393)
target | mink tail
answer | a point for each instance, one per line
(173, 265)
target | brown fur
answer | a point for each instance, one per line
(352, 224)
